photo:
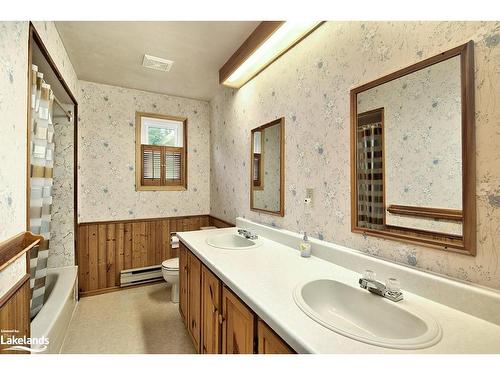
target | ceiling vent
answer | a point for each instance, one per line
(157, 63)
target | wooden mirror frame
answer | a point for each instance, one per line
(466, 243)
(281, 123)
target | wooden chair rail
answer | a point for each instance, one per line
(14, 247)
(428, 212)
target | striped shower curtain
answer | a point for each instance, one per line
(42, 162)
(370, 178)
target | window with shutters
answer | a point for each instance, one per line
(161, 157)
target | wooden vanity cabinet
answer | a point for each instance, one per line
(238, 325)
(194, 299)
(211, 294)
(216, 319)
(270, 342)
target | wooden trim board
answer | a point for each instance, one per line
(14, 247)
(429, 212)
(138, 153)
(261, 33)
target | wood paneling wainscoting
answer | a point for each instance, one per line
(15, 314)
(15, 302)
(219, 223)
(107, 248)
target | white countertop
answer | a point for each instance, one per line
(265, 277)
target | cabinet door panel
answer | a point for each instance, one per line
(210, 310)
(270, 342)
(238, 325)
(194, 299)
(183, 282)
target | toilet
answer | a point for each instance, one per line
(170, 271)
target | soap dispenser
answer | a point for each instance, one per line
(305, 247)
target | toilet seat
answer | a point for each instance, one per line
(171, 264)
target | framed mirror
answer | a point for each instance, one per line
(267, 168)
(413, 154)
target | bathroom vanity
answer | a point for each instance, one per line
(217, 320)
(241, 298)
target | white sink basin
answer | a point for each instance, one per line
(231, 241)
(363, 316)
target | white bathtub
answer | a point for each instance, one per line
(60, 302)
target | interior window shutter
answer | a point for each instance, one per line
(151, 165)
(174, 160)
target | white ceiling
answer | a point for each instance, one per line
(112, 53)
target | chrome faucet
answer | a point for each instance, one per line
(247, 234)
(390, 291)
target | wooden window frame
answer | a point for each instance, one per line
(165, 185)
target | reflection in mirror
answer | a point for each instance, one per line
(409, 152)
(419, 117)
(257, 160)
(266, 192)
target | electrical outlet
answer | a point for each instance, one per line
(309, 196)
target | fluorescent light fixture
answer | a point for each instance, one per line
(279, 42)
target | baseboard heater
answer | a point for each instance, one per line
(140, 275)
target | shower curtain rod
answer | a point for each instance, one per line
(68, 114)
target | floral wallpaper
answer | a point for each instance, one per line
(310, 86)
(12, 274)
(268, 198)
(13, 104)
(61, 248)
(106, 155)
(422, 142)
(13, 109)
